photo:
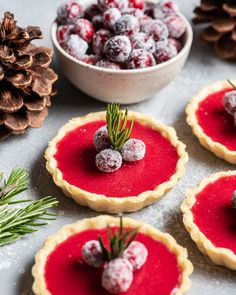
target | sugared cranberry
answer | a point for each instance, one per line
(108, 64)
(229, 102)
(69, 12)
(76, 46)
(164, 9)
(106, 4)
(90, 59)
(117, 276)
(139, 58)
(110, 17)
(233, 200)
(91, 11)
(133, 149)
(176, 43)
(84, 29)
(63, 33)
(99, 40)
(101, 141)
(138, 13)
(176, 26)
(157, 29)
(108, 160)
(144, 22)
(143, 41)
(148, 9)
(164, 51)
(127, 25)
(136, 4)
(97, 22)
(118, 48)
(92, 254)
(137, 254)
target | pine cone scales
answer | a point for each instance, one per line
(221, 32)
(26, 81)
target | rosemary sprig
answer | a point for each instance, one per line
(118, 132)
(231, 83)
(15, 223)
(118, 241)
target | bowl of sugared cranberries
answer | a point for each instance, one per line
(121, 51)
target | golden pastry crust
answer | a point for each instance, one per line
(99, 202)
(220, 256)
(186, 267)
(215, 147)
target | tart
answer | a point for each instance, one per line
(211, 123)
(59, 268)
(70, 159)
(209, 217)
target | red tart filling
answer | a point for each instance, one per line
(76, 160)
(214, 214)
(65, 273)
(215, 121)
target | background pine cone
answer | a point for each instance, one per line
(26, 81)
(221, 32)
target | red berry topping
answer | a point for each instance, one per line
(84, 29)
(134, 149)
(108, 160)
(99, 40)
(90, 59)
(176, 43)
(143, 41)
(136, 4)
(229, 102)
(69, 12)
(157, 29)
(164, 51)
(110, 17)
(138, 13)
(92, 254)
(118, 48)
(106, 4)
(233, 200)
(163, 9)
(108, 64)
(137, 254)
(117, 276)
(76, 46)
(63, 33)
(91, 11)
(97, 21)
(101, 141)
(127, 25)
(176, 26)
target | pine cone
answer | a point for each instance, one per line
(26, 81)
(221, 32)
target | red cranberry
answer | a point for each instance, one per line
(233, 200)
(84, 29)
(164, 51)
(97, 22)
(108, 160)
(110, 17)
(144, 21)
(157, 29)
(91, 11)
(176, 43)
(143, 41)
(99, 40)
(176, 26)
(118, 48)
(163, 9)
(92, 254)
(141, 58)
(137, 254)
(69, 12)
(229, 102)
(90, 59)
(136, 4)
(138, 13)
(127, 25)
(76, 46)
(63, 33)
(106, 4)
(108, 64)
(133, 149)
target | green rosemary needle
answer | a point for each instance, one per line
(231, 83)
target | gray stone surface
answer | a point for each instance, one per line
(168, 106)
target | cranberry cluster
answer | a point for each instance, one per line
(229, 102)
(117, 274)
(121, 34)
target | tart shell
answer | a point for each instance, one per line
(218, 255)
(215, 147)
(39, 285)
(99, 202)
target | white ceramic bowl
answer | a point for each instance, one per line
(121, 86)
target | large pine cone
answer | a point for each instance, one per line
(26, 81)
(221, 32)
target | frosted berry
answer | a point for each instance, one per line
(138, 13)
(233, 200)
(106, 4)
(140, 58)
(63, 33)
(69, 12)
(101, 141)
(133, 150)
(144, 22)
(176, 26)
(92, 254)
(164, 9)
(108, 64)
(90, 59)
(84, 29)
(91, 11)
(99, 40)
(117, 276)
(137, 254)
(176, 43)
(110, 17)
(127, 25)
(108, 160)
(143, 41)
(97, 22)
(136, 4)
(76, 46)
(229, 102)
(164, 51)
(157, 29)
(118, 48)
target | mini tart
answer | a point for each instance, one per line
(71, 161)
(166, 270)
(211, 123)
(210, 218)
